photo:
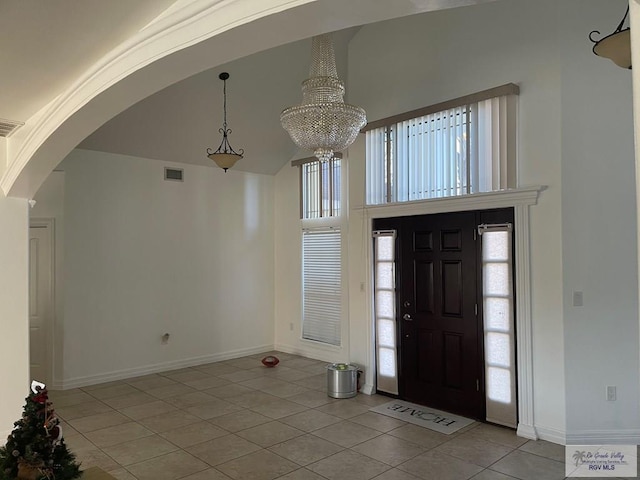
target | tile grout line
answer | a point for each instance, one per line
(311, 387)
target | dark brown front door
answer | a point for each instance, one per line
(439, 330)
(441, 362)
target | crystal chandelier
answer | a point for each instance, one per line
(323, 123)
(225, 156)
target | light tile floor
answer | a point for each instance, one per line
(239, 420)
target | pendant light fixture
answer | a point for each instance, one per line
(615, 46)
(225, 156)
(323, 123)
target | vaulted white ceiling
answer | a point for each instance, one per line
(178, 123)
(48, 45)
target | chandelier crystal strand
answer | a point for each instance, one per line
(323, 123)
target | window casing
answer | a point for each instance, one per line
(460, 147)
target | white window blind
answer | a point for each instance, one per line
(322, 285)
(465, 149)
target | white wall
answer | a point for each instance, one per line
(14, 316)
(599, 232)
(634, 14)
(416, 61)
(144, 256)
(422, 60)
(288, 254)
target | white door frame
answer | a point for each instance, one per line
(520, 200)
(49, 225)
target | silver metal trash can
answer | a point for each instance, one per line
(342, 380)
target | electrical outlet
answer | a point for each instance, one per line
(612, 394)
(165, 339)
(291, 326)
(578, 299)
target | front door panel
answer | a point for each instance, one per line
(441, 362)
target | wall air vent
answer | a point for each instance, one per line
(174, 174)
(7, 127)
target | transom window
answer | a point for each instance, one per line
(320, 188)
(459, 147)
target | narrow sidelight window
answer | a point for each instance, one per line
(499, 339)
(385, 310)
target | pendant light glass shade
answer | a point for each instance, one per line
(323, 123)
(616, 46)
(225, 156)
(225, 160)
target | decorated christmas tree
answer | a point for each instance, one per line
(35, 449)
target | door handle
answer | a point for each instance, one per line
(407, 317)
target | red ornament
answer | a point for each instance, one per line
(270, 361)
(41, 397)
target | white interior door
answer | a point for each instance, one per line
(40, 299)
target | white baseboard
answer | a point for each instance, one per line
(604, 437)
(324, 354)
(368, 389)
(68, 383)
(552, 435)
(588, 437)
(527, 431)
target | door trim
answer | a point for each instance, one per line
(49, 224)
(520, 200)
